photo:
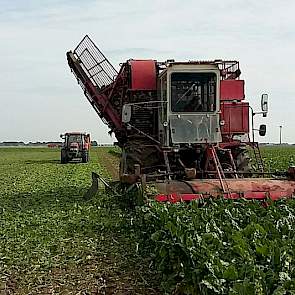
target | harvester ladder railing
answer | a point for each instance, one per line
(229, 69)
(219, 171)
(167, 164)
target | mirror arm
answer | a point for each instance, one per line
(259, 113)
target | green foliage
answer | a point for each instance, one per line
(115, 151)
(278, 158)
(224, 246)
(52, 240)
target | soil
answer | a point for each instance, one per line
(109, 161)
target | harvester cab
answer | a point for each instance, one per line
(192, 115)
(185, 127)
(75, 146)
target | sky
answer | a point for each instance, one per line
(40, 97)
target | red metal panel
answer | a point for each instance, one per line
(235, 116)
(232, 89)
(143, 75)
(262, 196)
(248, 188)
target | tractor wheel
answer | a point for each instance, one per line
(63, 157)
(85, 157)
(137, 153)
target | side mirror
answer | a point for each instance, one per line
(262, 130)
(126, 113)
(61, 136)
(264, 104)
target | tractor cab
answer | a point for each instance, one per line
(74, 138)
(191, 94)
(76, 146)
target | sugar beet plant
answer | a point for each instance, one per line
(278, 158)
(223, 246)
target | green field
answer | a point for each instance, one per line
(278, 158)
(55, 242)
(52, 240)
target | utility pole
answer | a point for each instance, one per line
(281, 134)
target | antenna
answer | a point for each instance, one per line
(280, 134)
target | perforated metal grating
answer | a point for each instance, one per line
(94, 63)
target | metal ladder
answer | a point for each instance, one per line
(232, 162)
(220, 173)
(258, 159)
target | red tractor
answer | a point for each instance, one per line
(76, 146)
(183, 126)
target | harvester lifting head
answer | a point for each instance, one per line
(183, 126)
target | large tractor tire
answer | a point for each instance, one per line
(137, 153)
(63, 157)
(242, 160)
(85, 157)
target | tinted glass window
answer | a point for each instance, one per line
(75, 138)
(193, 92)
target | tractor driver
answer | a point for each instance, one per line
(190, 101)
(194, 104)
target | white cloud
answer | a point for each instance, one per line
(40, 98)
